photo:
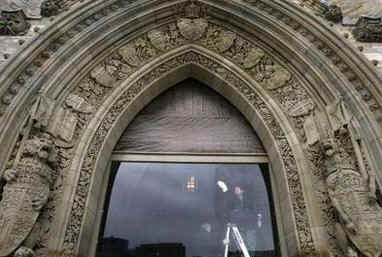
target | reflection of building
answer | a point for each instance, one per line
(161, 250)
(113, 247)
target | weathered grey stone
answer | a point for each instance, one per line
(272, 60)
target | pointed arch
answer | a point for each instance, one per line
(67, 57)
(120, 107)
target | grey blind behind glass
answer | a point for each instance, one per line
(190, 117)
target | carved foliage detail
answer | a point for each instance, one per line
(78, 107)
(71, 237)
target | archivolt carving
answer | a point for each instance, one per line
(229, 44)
(86, 172)
(62, 38)
(293, 99)
(250, 57)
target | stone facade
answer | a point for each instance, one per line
(312, 98)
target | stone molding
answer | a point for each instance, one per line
(25, 69)
(293, 91)
(122, 104)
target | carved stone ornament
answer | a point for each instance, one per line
(13, 23)
(225, 40)
(139, 51)
(102, 76)
(159, 39)
(192, 26)
(333, 13)
(135, 53)
(304, 108)
(339, 116)
(360, 215)
(368, 30)
(351, 188)
(34, 171)
(65, 121)
(278, 77)
(25, 194)
(50, 8)
(78, 104)
(192, 29)
(42, 112)
(87, 171)
(253, 58)
(24, 252)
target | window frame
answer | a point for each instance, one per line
(222, 158)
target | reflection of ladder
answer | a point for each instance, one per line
(237, 238)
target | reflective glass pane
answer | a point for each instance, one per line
(170, 210)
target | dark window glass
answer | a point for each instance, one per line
(170, 210)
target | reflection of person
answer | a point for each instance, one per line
(234, 205)
(244, 216)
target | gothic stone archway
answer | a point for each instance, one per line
(282, 89)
